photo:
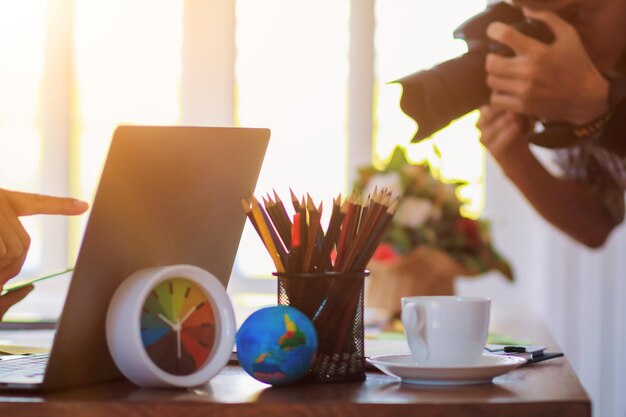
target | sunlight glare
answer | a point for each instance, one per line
(128, 66)
(292, 75)
(412, 36)
(22, 29)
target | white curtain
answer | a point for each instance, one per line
(579, 293)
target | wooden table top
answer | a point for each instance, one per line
(549, 388)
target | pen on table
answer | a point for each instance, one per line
(21, 284)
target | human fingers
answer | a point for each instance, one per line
(500, 132)
(26, 204)
(15, 242)
(487, 115)
(13, 268)
(505, 67)
(509, 36)
(11, 298)
(509, 102)
(510, 86)
(553, 21)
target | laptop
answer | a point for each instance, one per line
(167, 195)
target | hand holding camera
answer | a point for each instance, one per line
(435, 97)
(533, 81)
(527, 62)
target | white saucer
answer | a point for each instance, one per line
(405, 368)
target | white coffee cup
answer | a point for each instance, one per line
(446, 330)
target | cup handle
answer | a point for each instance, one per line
(413, 319)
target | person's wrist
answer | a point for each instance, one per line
(517, 164)
(617, 88)
(593, 102)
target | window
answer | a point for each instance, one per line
(411, 36)
(317, 74)
(292, 77)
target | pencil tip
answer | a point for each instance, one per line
(393, 206)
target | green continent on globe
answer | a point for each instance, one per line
(277, 345)
(293, 336)
(266, 366)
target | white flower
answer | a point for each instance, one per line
(413, 211)
(392, 181)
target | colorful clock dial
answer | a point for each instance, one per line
(178, 326)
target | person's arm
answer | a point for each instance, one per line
(613, 137)
(569, 205)
(14, 240)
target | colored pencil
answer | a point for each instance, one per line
(283, 218)
(264, 230)
(376, 235)
(294, 262)
(330, 238)
(283, 228)
(354, 230)
(312, 229)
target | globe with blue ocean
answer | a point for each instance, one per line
(276, 345)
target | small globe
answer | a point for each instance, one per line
(276, 345)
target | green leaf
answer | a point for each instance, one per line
(398, 159)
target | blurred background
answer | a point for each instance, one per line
(319, 75)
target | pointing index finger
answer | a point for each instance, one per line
(27, 204)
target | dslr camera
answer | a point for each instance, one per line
(436, 97)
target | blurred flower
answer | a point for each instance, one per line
(385, 252)
(413, 211)
(429, 213)
(391, 181)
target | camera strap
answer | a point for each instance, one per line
(563, 134)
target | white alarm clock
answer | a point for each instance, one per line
(170, 326)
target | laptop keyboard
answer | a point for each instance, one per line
(23, 366)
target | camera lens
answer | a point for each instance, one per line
(435, 97)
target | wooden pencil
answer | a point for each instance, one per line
(347, 209)
(283, 229)
(348, 227)
(266, 235)
(319, 235)
(365, 231)
(295, 202)
(354, 230)
(294, 262)
(330, 238)
(314, 219)
(283, 218)
(377, 233)
(246, 209)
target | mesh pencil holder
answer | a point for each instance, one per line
(334, 303)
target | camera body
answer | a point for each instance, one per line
(436, 97)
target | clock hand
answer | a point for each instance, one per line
(169, 323)
(178, 323)
(189, 313)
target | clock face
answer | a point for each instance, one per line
(178, 326)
